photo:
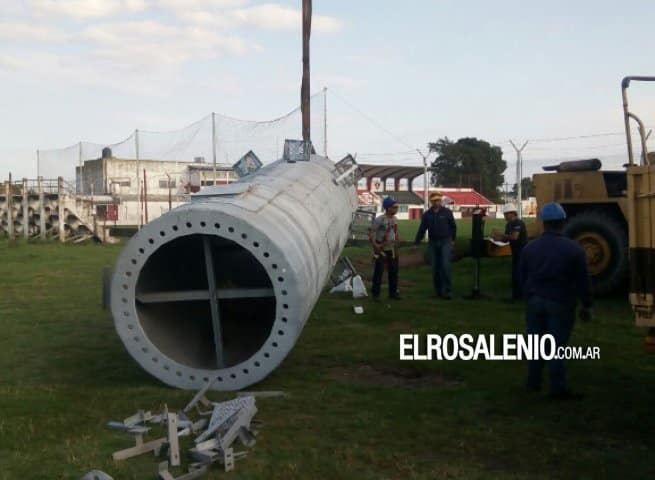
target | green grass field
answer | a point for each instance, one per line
(355, 410)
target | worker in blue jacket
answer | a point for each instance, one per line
(553, 276)
(440, 224)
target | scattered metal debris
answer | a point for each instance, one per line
(96, 475)
(222, 425)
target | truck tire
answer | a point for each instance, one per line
(605, 242)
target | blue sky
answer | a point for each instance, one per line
(95, 70)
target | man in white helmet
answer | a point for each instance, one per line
(517, 236)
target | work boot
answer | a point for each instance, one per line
(447, 296)
(394, 297)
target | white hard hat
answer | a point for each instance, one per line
(509, 207)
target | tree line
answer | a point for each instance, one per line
(472, 162)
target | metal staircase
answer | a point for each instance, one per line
(48, 208)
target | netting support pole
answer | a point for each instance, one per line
(38, 164)
(325, 122)
(214, 144)
(138, 179)
(10, 210)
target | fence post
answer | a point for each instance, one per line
(145, 194)
(60, 208)
(26, 211)
(42, 231)
(10, 208)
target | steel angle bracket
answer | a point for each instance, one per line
(346, 171)
(195, 471)
(247, 164)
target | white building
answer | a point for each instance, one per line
(128, 193)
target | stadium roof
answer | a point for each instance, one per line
(390, 171)
(466, 197)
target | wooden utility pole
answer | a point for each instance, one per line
(305, 88)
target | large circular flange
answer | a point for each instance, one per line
(205, 220)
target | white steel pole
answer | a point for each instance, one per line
(325, 122)
(80, 189)
(214, 144)
(519, 176)
(425, 179)
(138, 179)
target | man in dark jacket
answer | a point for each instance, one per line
(553, 275)
(440, 224)
(517, 236)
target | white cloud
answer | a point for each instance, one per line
(186, 5)
(9, 63)
(70, 70)
(267, 16)
(130, 54)
(18, 32)
(88, 8)
(151, 44)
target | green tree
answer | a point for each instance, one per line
(527, 188)
(468, 162)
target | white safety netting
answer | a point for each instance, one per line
(213, 137)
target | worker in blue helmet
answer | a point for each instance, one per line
(553, 276)
(383, 236)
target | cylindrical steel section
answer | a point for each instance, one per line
(221, 288)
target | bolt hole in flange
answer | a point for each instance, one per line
(175, 311)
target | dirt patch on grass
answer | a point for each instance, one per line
(412, 258)
(391, 377)
(400, 326)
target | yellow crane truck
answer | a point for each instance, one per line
(612, 215)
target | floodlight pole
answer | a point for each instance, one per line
(214, 143)
(425, 179)
(139, 212)
(519, 176)
(305, 87)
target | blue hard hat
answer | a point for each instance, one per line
(552, 212)
(388, 202)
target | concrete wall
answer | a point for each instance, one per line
(116, 176)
